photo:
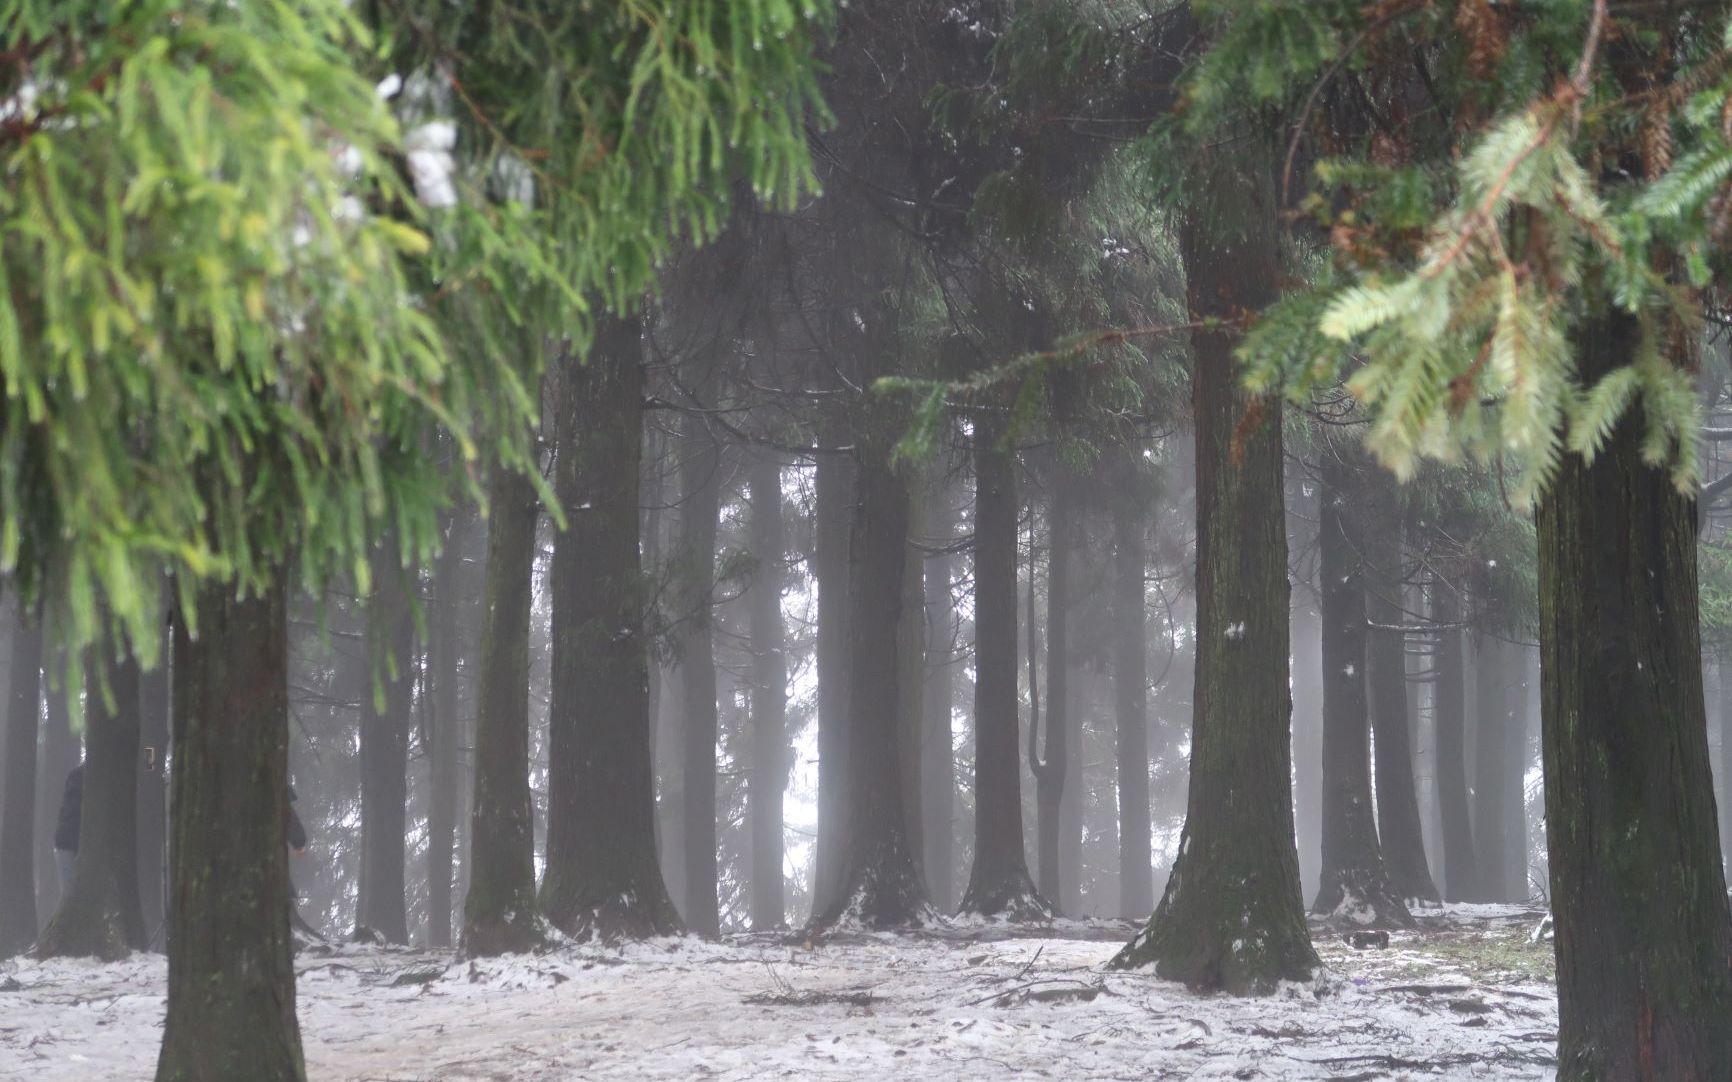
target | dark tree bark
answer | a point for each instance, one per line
(1131, 706)
(1398, 824)
(700, 503)
(771, 756)
(18, 816)
(60, 751)
(231, 976)
(1232, 917)
(499, 910)
(999, 884)
(153, 726)
(602, 878)
(100, 916)
(385, 748)
(1354, 887)
(1638, 892)
(1450, 710)
(831, 559)
(444, 725)
(1051, 771)
(937, 759)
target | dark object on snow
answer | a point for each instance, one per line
(1361, 941)
(296, 830)
(364, 934)
(66, 828)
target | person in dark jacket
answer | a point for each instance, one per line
(66, 827)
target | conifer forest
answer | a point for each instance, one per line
(865, 539)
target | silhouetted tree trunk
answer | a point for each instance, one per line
(385, 747)
(999, 882)
(937, 760)
(153, 726)
(60, 751)
(700, 502)
(1131, 704)
(1353, 886)
(231, 976)
(770, 752)
(911, 672)
(18, 815)
(499, 910)
(1050, 769)
(100, 916)
(1643, 929)
(602, 875)
(1305, 633)
(1450, 711)
(444, 727)
(1499, 739)
(1232, 917)
(832, 562)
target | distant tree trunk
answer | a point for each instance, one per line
(700, 503)
(499, 910)
(385, 747)
(1450, 711)
(1398, 824)
(1232, 917)
(1499, 739)
(1643, 929)
(1070, 798)
(771, 755)
(18, 816)
(881, 884)
(999, 884)
(100, 916)
(937, 759)
(60, 753)
(1051, 768)
(1726, 750)
(1131, 705)
(910, 675)
(444, 728)
(153, 726)
(832, 563)
(603, 878)
(1354, 888)
(1305, 634)
(231, 975)
(1515, 767)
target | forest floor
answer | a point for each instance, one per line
(1468, 995)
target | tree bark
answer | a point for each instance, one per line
(771, 755)
(999, 883)
(18, 816)
(231, 976)
(1450, 711)
(1128, 610)
(60, 749)
(385, 747)
(832, 560)
(499, 910)
(1354, 887)
(937, 759)
(1232, 917)
(602, 878)
(700, 503)
(1496, 791)
(444, 727)
(1638, 892)
(153, 721)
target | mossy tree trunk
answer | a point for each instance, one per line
(499, 910)
(1638, 892)
(18, 815)
(771, 755)
(700, 503)
(603, 877)
(231, 976)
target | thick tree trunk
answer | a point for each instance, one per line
(937, 758)
(1398, 824)
(771, 755)
(603, 878)
(1460, 870)
(1638, 892)
(834, 512)
(499, 911)
(153, 727)
(60, 751)
(999, 884)
(231, 976)
(18, 816)
(385, 748)
(100, 916)
(444, 727)
(1131, 706)
(700, 503)
(1353, 886)
(1232, 917)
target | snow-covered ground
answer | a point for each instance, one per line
(1468, 996)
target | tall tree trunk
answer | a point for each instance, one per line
(60, 750)
(1305, 634)
(1128, 610)
(602, 876)
(1726, 752)
(1398, 824)
(770, 752)
(444, 727)
(1051, 769)
(1232, 917)
(499, 910)
(832, 563)
(100, 916)
(231, 975)
(153, 727)
(385, 747)
(1450, 710)
(18, 816)
(1643, 929)
(937, 759)
(1515, 767)
(1499, 740)
(1354, 888)
(910, 674)
(999, 884)
(700, 503)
